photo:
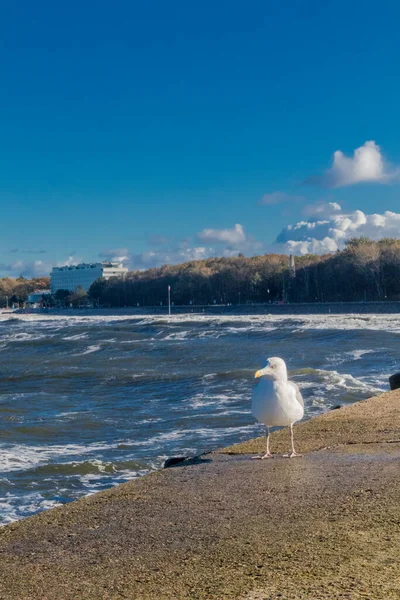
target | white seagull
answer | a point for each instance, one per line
(276, 400)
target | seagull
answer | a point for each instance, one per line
(276, 400)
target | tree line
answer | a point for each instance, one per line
(16, 290)
(365, 270)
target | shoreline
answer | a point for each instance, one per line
(225, 526)
(326, 308)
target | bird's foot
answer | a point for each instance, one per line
(267, 455)
(292, 455)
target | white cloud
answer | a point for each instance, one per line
(279, 198)
(170, 256)
(36, 268)
(116, 254)
(321, 209)
(70, 261)
(366, 165)
(330, 233)
(230, 243)
(233, 237)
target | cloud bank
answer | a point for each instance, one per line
(116, 254)
(30, 269)
(213, 242)
(321, 209)
(366, 165)
(331, 232)
(35, 268)
(234, 236)
(169, 256)
(325, 229)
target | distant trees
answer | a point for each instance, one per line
(61, 296)
(16, 291)
(77, 298)
(66, 298)
(364, 270)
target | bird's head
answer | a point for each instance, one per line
(274, 369)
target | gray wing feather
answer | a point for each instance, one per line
(299, 397)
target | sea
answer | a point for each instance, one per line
(89, 402)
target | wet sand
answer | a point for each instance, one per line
(324, 526)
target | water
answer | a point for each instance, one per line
(90, 402)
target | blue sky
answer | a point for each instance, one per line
(150, 130)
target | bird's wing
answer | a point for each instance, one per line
(299, 397)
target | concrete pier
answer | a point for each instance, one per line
(224, 526)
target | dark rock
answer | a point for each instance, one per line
(394, 381)
(174, 460)
(336, 407)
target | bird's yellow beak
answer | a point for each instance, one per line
(258, 374)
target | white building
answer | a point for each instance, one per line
(69, 278)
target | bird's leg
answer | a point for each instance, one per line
(268, 453)
(293, 453)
